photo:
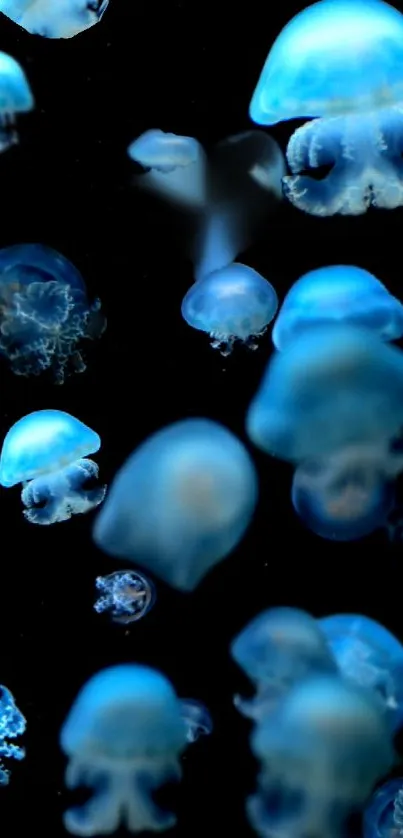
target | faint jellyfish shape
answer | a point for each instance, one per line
(44, 451)
(12, 725)
(61, 19)
(123, 737)
(44, 312)
(180, 503)
(234, 303)
(197, 719)
(126, 594)
(383, 815)
(278, 648)
(338, 294)
(15, 98)
(340, 60)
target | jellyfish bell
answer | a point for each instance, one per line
(383, 815)
(15, 97)
(61, 19)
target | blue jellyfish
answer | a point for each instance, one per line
(334, 295)
(15, 97)
(61, 19)
(321, 753)
(12, 725)
(235, 303)
(197, 719)
(126, 594)
(278, 648)
(123, 737)
(383, 815)
(180, 503)
(369, 655)
(44, 451)
(44, 312)
(341, 61)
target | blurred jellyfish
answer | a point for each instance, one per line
(371, 656)
(126, 594)
(321, 753)
(44, 312)
(278, 648)
(44, 451)
(338, 294)
(180, 503)
(12, 725)
(61, 19)
(340, 60)
(235, 303)
(123, 737)
(15, 98)
(383, 816)
(197, 719)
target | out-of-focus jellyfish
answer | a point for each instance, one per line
(383, 816)
(44, 312)
(338, 294)
(175, 166)
(180, 503)
(12, 725)
(368, 654)
(197, 719)
(321, 753)
(234, 303)
(126, 594)
(61, 19)
(340, 60)
(123, 737)
(44, 451)
(278, 648)
(15, 98)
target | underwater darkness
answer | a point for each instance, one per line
(190, 69)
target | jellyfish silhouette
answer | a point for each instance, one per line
(126, 595)
(15, 98)
(63, 19)
(12, 725)
(197, 719)
(383, 815)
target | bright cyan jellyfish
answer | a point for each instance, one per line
(61, 19)
(15, 98)
(12, 725)
(126, 594)
(383, 816)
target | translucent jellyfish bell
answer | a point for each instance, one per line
(340, 60)
(197, 719)
(383, 816)
(12, 725)
(46, 451)
(61, 19)
(126, 594)
(15, 97)
(180, 503)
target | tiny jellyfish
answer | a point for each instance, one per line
(126, 594)
(234, 303)
(44, 312)
(341, 62)
(123, 737)
(371, 656)
(180, 503)
(12, 725)
(15, 97)
(46, 451)
(278, 648)
(383, 815)
(51, 19)
(338, 294)
(197, 719)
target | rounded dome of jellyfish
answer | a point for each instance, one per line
(180, 503)
(61, 19)
(233, 304)
(15, 98)
(340, 61)
(126, 594)
(47, 452)
(338, 294)
(383, 816)
(44, 312)
(123, 737)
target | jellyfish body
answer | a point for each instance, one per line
(44, 451)
(339, 60)
(180, 503)
(63, 19)
(338, 294)
(383, 815)
(12, 725)
(197, 719)
(123, 737)
(126, 594)
(15, 98)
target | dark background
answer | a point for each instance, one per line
(191, 69)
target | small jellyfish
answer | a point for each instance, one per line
(197, 719)
(61, 19)
(235, 303)
(123, 736)
(341, 61)
(44, 451)
(338, 294)
(15, 97)
(180, 503)
(383, 815)
(12, 725)
(44, 312)
(126, 594)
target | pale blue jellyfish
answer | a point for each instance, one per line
(44, 312)
(15, 98)
(12, 725)
(383, 816)
(338, 294)
(341, 61)
(123, 737)
(54, 18)
(46, 451)
(234, 303)
(197, 719)
(180, 503)
(278, 648)
(126, 594)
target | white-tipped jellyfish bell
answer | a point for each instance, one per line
(15, 98)
(55, 18)
(46, 451)
(338, 294)
(383, 816)
(180, 503)
(341, 61)
(123, 736)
